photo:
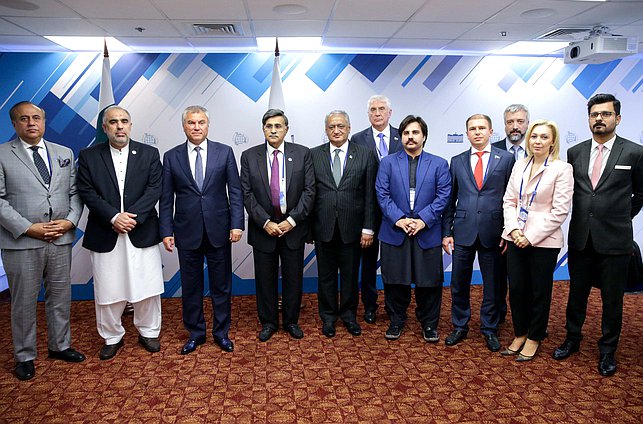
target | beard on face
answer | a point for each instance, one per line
(516, 136)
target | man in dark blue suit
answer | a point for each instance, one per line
(383, 139)
(472, 223)
(201, 210)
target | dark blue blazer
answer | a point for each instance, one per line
(474, 212)
(184, 211)
(432, 190)
(365, 138)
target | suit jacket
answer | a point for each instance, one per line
(550, 206)
(502, 144)
(98, 188)
(185, 212)
(606, 212)
(365, 138)
(473, 212)
(300, 195)
(352, 204)
(25, 199)
(432, 190)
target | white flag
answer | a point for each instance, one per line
(106, 96)
(276, 100)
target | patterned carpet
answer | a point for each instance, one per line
(318, 380)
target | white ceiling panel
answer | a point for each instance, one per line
(459, 11)
(479, 46)
(126, 27)
(560, 10)
(202, 9)
(416, 44)
(515, 32)
(434, 30)
(157, 44)
(115, 9)
(218, 43)
(19, 43)
(7, 28)
(288, 28)
(45, 26)
(46, 9)
(612, 14)
(367, 10)
(315, 10)
(377, 29)
(352, 42)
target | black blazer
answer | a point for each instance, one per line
(98, 189)
(352, 204)
(502, 144)
(606, 212)
(365, 138)
(300, 195)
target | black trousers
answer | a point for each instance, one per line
(334, 256)
(607, 272)
(267, 284)
(531, 280)
(428, 302)
(368, 283)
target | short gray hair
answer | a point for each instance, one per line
(114, 107)
(337, 112)
(194, 109)
(517, 107)
(380, 98)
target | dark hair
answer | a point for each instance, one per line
(601, 98)
(13, 113)
(411, 119)
(271, 113)
(478, 116)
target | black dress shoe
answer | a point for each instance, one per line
(493, 344)
(567, 348)
(353, 327)
(455, 337)
(108, 351)
(370, 317)
(294, 331)
(224, 343)
(151, 344)
(328, 329)
(430, 335)
(67, 355)
(266, 333)
(393, 332)
(191, 345)
(607, 364)
(25, 370)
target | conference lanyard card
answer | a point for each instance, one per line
(522, 218)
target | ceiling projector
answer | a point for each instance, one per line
(599, 47)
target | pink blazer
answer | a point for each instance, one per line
(549, 208)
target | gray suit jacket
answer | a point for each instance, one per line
(25, 199)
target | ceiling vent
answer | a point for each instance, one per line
(565, 34)
(214, 29)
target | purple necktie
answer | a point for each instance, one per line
(274, 184)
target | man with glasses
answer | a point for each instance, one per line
(343, 220)
(278, 184)
(608, 193)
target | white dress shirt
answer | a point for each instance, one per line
(607, 148)
(192, 156)
(485, 159)
(387, 140)
(42, 151)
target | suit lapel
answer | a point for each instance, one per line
(213, 153)
(184, 163)
(424, 163)
(403, 166)
(132, 163)
(583, 163)
(617, 149)
(465, 158)
(106, 156)
(494, 160)
(349, 161)
(52, 157)
(23, 156)
(288, 158)
(326, 164)
(261, 160)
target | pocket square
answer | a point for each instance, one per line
(626, 167)
(63, 162)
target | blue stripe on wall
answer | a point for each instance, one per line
(181, 63)
(126, 72)
(508, 81)
(565, 73)
(590, 78)
(83, 132)
(441, 71)
(372, 65)
(525, 68)
(327, 68)
(632, 77)
(415, 71)
(158, 62)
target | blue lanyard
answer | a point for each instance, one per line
(522, 180)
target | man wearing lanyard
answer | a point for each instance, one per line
(516, 118)
(608, 193)
(382, 139)
(472, 223)
(343, 219)
(278, 184)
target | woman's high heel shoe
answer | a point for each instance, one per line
(511, 352)
(525, 358)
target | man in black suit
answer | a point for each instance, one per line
(608, 193)
(120, 183)
(343, 220)
(278, 184)
(516, 117)
(382, 139)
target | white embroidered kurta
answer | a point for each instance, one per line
(127, 273)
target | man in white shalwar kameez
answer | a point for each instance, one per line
(120, 183)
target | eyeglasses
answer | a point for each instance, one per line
(269, 127)
(604, 114)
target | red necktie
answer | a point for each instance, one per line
(477, 172)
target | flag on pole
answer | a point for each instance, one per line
(106, 96)
(276, 100)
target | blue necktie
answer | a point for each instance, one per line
(383, 150)
(41, 166)
(198, 168)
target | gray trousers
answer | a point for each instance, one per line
(26, 270)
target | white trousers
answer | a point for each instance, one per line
(147, 319)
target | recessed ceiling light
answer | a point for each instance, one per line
(290, 9)
(299, 44)
(88, 44)
(532, 48)
(19, 5)
(538, 13)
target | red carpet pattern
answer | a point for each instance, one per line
(346, 379)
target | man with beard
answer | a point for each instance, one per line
(608, 193)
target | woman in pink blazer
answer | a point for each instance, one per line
(536, 204)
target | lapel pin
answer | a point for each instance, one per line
(289, 159)
(350, 156)
(133, 152)
(496, 157)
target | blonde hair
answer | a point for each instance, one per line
(555, 147)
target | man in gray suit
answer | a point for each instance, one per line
(343, 220)
(39, 210)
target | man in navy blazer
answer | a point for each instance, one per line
(382, 139)
(278, 184)
(201, 212)
(608, 193)
(472, 223)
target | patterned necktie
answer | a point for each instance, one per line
(275, 190)
(41, 166)
(337, 167)
(383, 150)
(516, 151)
(198, 168)
(598, 164)
(477, 172)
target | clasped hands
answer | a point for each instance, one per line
(49, 231)
(411, 226)
(278, 229)
(519, 239)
